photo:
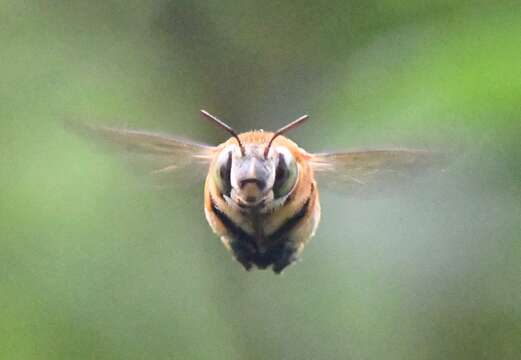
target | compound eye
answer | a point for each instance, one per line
(222, 175)
(285, 175)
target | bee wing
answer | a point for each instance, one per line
(364, 171)
(162, 154)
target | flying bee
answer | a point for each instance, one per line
(260, 193)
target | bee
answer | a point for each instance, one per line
(260, 194)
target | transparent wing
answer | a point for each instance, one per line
(157, 153)
(367, 171)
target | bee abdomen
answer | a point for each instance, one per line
(279, 248)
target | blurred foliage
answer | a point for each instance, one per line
(95, 264)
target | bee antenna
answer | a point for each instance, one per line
(284, 129)
(226, 127)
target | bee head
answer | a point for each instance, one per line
(253, 175)
(253, 180)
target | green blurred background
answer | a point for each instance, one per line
(96, 264)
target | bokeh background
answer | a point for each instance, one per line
(97, 264)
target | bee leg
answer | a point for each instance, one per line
(246, 264)
(283, 257)
(243, 253)
(263, 260)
